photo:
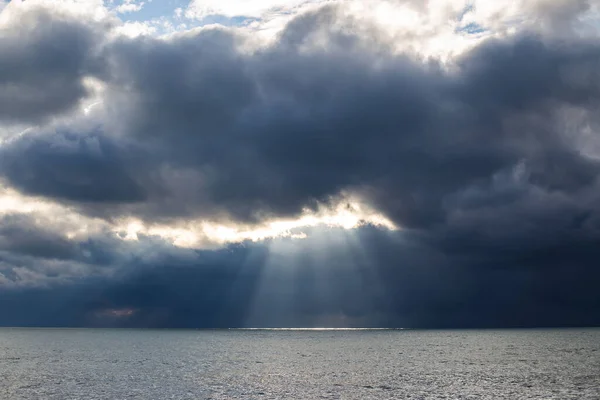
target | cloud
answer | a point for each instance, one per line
(19, 234)
(272, 131)
(485, 158)
(200, 125)
(129, 6)
(66, 166)
(391, 281)
(47, 53)
(249, 8)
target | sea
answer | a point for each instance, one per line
(299, 364)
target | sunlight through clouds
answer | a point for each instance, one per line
(345, 215)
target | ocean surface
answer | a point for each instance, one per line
(299, 364)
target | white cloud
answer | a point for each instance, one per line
(232, 8)
(136, 28)
(431, 28)
(84, 9)
(129, 6)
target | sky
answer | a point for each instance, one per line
(299, 163)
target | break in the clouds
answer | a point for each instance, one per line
(311, 163)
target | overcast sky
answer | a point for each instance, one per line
(285, 163)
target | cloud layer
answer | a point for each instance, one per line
(485, 158)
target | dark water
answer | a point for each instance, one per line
(138, 364)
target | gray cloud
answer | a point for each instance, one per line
(70, 166)
(45, 57)
(19, 234)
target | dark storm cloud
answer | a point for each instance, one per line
(270, 132)
(65, 165)
(391, 279)
(526, 73)
(482, 162)
(45, 56)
